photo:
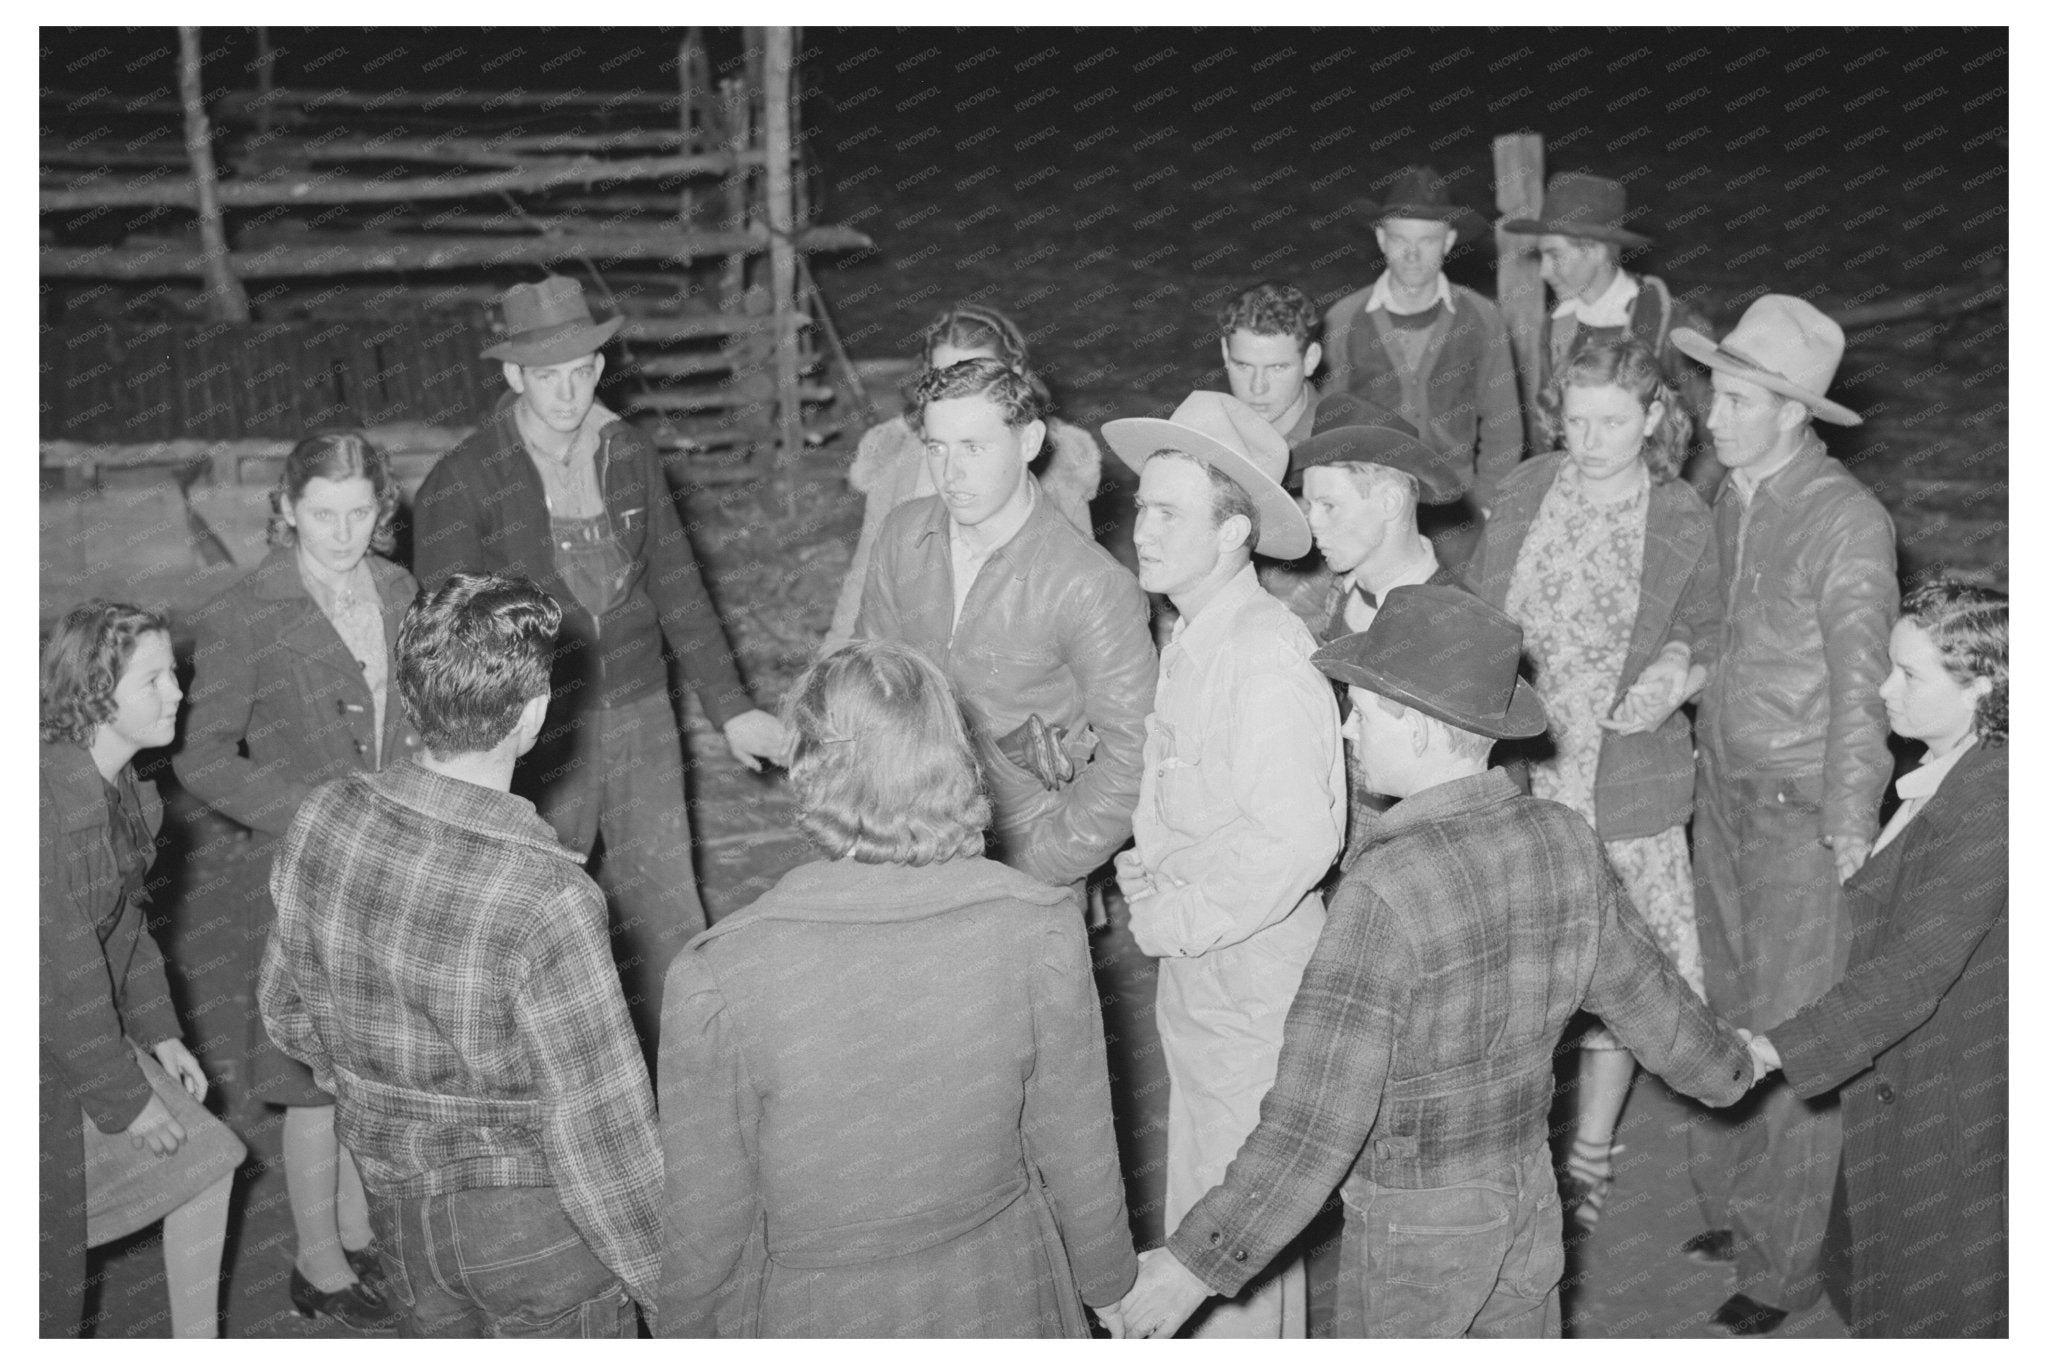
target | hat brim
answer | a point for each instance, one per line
(553, 345)
(1525, 717)
(1538, 227)
(1381, 446)
(1283, 530)
(1709, 354)
(1469, 224)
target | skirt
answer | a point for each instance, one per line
(127, 1189)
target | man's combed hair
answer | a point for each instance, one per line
(82, 664)
(1013, 392)
(884, 769)
(1969, 625)
(1631, 367)
(1270, 309)
(471, 654)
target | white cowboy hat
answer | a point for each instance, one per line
(1224, 434)
(1784, 344)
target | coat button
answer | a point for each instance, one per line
(1885, 1093)
(1215, 1239)
(361, 747)
(1237, 1255)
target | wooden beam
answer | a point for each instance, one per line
(225, 299)
(238, 103)
(706, 400)
(154, 258)
(1518, 283)
(394, 439)
(334, 188)
(778, 61)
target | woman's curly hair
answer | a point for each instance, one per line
(83, 660)
(1968, 624)
(1631, 367)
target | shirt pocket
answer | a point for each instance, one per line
(1191, 779)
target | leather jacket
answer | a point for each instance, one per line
(1053, 627)
(1812, 592)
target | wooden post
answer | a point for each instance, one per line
(689, 56)
(226, 300)
(736, 106)
(266, 80)
(782, 250)
(1518, 193)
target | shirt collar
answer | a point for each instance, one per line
(485, 811)
(1922, 781)
(1004, 531)
(1456, 797)
(1383, 295)
(1417, 570)
(1211, 627)
(1746, 483)
(1609, 310)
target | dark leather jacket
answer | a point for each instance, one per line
(1812, 592)
(1053, 626)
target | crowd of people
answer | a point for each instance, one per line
(1617, 720)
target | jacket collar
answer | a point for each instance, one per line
(1785, 483)
(81, 794)
(1018, 552)
(276, 578)
(843, 891)
(483, 811)
(1447, 800)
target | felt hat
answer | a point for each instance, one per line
(1784, 344)
(1227, 435)
(1444, 652)
(1419, 192)
(1579, 205)
(548, 323)
(1350, 429)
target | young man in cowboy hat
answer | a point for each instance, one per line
(554, 486)
(1242, 803)
(1435, 352)
(1580, 238)
(1040, 631)
(1417, 1065)
(1792, 764)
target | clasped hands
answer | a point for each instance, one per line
(1165, 1296)
(1763, 1056)
(1664, 684)
(755, 735)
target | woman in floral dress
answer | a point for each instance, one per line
(1607, 560)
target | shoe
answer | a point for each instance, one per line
(1585, 1179)
(1715, 1247)
(353, 1307)
(1743, 1316)
(369, 1269)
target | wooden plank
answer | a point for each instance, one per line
(1518, 283)
(394, 439)
(225, 299)
(708, 400)
(328, 188)
(153, 258)
(240, 103)
(703, 326)
(778, 61)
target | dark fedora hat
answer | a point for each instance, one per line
(1350, 429)
(548, 323)
(1419, 192)
(1444, 652)
(1579, 205)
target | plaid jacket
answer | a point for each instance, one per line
(1458, 948)
(442, 964)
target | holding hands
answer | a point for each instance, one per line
(1165, 1296)
(754, 736)
(1663, 686)
(1763, 1057)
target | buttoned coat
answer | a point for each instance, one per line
(885, 1112)
(278, 706)
(1053, 627)
(1915, 1037)
(1644, 782)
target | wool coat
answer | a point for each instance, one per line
(1914, 1035)
(278, 706)
(884, 1111)
(100, 986)
(1644, 782)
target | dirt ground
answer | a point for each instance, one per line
(1113, 238)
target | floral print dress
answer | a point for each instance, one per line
(1575, 591)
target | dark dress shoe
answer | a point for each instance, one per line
(1716, 1247)
(354, 1307)
(1743, 1316)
